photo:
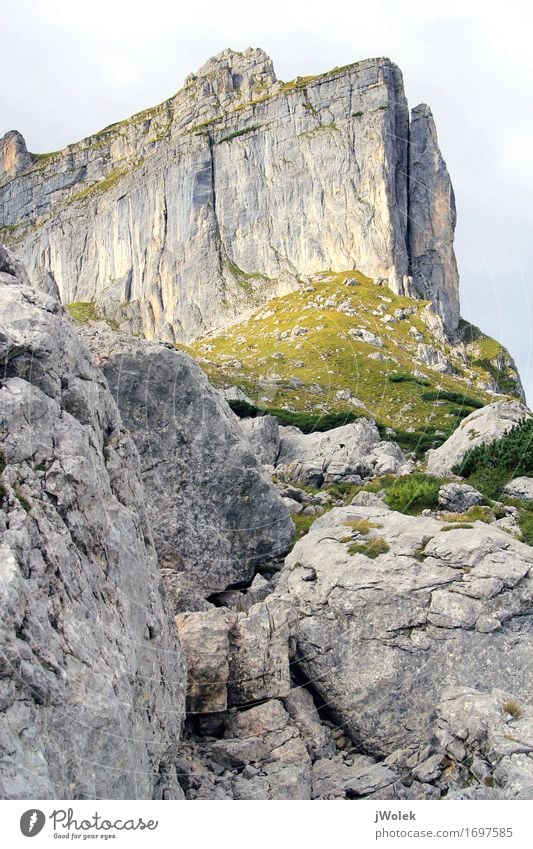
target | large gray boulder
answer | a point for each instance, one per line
(381, 634)
(459, 497)
(349, 453)
(214, 514)
(520, 488)
(92, 680)
(482, 426)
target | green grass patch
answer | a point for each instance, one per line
(405, 377)
(525, 523)
(454, 397)
(362, 526)
(512, 455)
(83, 311)
(372, 548)
(457, 525)
(302, 525)
(414, 493)
(236, 133)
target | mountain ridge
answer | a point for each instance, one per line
(244, 178)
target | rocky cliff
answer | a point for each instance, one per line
(215, 515)
(92, 675)
(185, 216)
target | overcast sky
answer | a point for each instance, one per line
(69, 68)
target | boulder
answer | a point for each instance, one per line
(214, 514)
(483, 744)
(92, 679)
(262, 433)
(393, 609)
(521, 488)
(458, 497)
(482, 426)
(234, 657)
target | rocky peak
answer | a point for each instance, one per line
(432, 219)
(14, 156)
(231, 74)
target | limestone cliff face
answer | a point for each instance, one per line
(185, 216)
(92, 676)
(431, 219)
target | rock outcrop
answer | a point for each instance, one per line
(482, 426)
(349, 454)
(431, 220)
(392, 610)
(521, 487)
(186, 215)
(214, 514)
(92, 675)
(14, 157)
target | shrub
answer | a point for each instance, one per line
(362, 526)
(512, 708)
(489, 481)
(513, 453)
(525, 523)
(310, 422)
(405, 377)
(372, 548)
(243, 409)
(414, 493)
(454, 397)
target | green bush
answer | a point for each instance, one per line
(513, 454)
(310, 422)
(414, 493)
(371, 548)
(419, 441)
(454, 397)
(525, 523)
(405, 377)
(489, 480)
(243, 409)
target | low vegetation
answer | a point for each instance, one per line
(236, 133)
(512, 454)
(414, 493)
(371, 548)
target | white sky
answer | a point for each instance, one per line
(69, 68)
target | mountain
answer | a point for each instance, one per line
(185, 215)
(300, 561)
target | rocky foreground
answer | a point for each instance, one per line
(385, 656)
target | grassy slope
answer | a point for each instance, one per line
(252, 356)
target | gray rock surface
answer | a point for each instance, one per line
(458, 497)
(14, 156)
(432, 220)
(348, 453)
(263, 435)
(214, 515)
(92, 676)
(182, 217)
(520, 488)
(484, 741)
(482, 426)
(381, 638)
(234, 657)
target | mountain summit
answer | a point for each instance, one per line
(182, 217)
